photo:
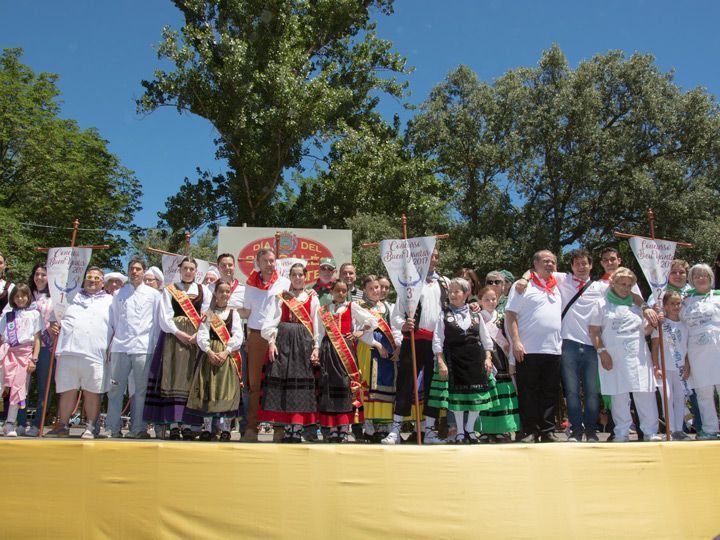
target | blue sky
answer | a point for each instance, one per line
(102, 49)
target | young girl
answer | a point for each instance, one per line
(675, 341)
(20, 345)
(340, 385)
(288, 396)
(375, 354)
(215, 390)
(618, 329)
(497, 423)
(463, 352)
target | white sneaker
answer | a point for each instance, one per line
(9, 430)
(392, 438)
(431, 437)
(655, 437)
(32, 431)
(87, 434)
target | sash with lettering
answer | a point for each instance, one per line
(186, 305)
(298, 309)
(383, 326)
(347, 357)
(218, 326)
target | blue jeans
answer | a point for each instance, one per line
(579, 366)
(42, 372)
(121, 364)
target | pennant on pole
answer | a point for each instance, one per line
(407, 263)
(66, 272)
(655, 258)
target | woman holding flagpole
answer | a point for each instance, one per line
(179, 314)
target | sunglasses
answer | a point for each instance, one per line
(327, 268)
(494, 282)
(93, 278)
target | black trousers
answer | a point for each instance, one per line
(404, 392)
(538, 381)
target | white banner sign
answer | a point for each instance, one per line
(171, 269)
(655, 258)
(282, 266)
(407, 264)
(66, 273)
(310, 245)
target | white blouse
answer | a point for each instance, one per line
(274, 314)
(236, 338)
(464, 320)
(166, 313)
(361, 317)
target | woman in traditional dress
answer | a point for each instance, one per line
(496, 424)
(171, 372)
(376, 353)
(288, 388)
(216, 390)
(463, 354)
(701, 314)
(618, 329)
(340, 384)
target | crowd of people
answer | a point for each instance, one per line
(335, 357)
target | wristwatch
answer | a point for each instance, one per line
(601, 349)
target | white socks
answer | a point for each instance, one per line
(472, 417)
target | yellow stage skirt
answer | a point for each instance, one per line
(146, 489)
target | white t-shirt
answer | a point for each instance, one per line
(539, 319)
(575, 322)
(27, 323)
(675, 342)
(86, 327)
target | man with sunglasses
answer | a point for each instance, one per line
(496, 280)
(81, 350)
(325, 281)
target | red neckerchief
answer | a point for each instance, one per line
(605, 277)
(234, 286)
(548, 285)
(256, 281)
(322, 287)
(580, 282)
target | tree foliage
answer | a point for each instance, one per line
(52, 172)
(272, 76)
(554, 157)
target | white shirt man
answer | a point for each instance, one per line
(132, 318)
(534, 323)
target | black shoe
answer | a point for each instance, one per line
(205, 436)
(174, 434)
(412, 438)
(188, 434)
(548, 436)
(527, 438)
(471, 438)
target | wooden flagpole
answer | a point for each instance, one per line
(76, 224)
(412, 338)
(666, 405)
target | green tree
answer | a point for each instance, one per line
(570, 155)
(52, 172)
(274, 77)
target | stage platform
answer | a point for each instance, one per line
(146, 489)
